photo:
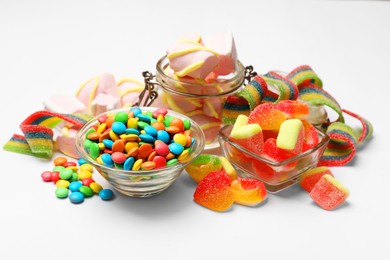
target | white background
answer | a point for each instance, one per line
(50, 47)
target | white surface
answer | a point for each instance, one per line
(50, 47)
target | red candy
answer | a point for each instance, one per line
(310, 178)
(46, 176)
(214, 191)
(267, 116)
(118, 157)
(248, 192)
(55, 176)
(87, 181)
(329, 193)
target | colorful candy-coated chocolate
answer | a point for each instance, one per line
(75, 186)
(214, 191)
(46, 176)
(310, 178)
(106, 194)
(76, 197)
(329, 193)
(61, 192)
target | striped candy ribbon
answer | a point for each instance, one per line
(37, 139)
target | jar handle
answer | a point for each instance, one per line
(149, 90)
(249, 74)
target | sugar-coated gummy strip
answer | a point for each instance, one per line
(304, 74)
(342, 145)
(367, 128)
(38, 133)
(287, 88)
(318, 96)
(254, 91)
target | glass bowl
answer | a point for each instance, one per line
(276, 176)
(141, 183)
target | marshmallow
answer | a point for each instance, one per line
(223, 43)
(192, 59)
(64, 104)
(103, 103)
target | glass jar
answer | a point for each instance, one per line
(201, 101)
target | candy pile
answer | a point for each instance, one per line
(324, 189)
(139, 140)
(276, 131)
(219, 187)
(68, 177)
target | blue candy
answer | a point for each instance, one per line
(76, 197)
(151, 130)
(136, 111)
(74, 186)
(144, 118)
(108, 143)
(132, 131)
(106, 194)
(163, 136)
(128, 164)
(81, 161)
(118, 128)
(176, 148)
(107, 160)
(147, 138)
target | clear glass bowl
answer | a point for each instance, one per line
(201, 101)
(276, 176)
(142, 183)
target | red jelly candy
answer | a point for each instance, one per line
(329, 193)
(214, 191)
(267, 116)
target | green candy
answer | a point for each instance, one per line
(86, 191)
(121, 117)
(187, 124)
(61, 192)
(142, 124)
(94, 150)
(66, 174)
(172, 162)
(58, 168)
(87, 143)
(167, 120)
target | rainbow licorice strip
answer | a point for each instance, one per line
(287, 88)
(37, 138)
(304, 74)
(255, 91)
(304, 84)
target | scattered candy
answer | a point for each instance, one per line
(74, 182)
(248, 192)
(329, 193)
(310, 178)
(203, 165)
(214, 191)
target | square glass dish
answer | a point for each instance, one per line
(276, 176)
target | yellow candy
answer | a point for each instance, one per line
(96, 187)
(137, 165)
(73, 168)
(62, 184)
(228, 168)
(85, 174)
(132, 123)
(113, 136)
(183, 155)
(130, 145)
(86, 167)
(180, 139)
(102, 127)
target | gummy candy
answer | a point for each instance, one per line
(310, 178)
(329, 193)
(291, 135)
(249, 136)
(203, 165)
(267, 116)
(214, 191)
(248, 192)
